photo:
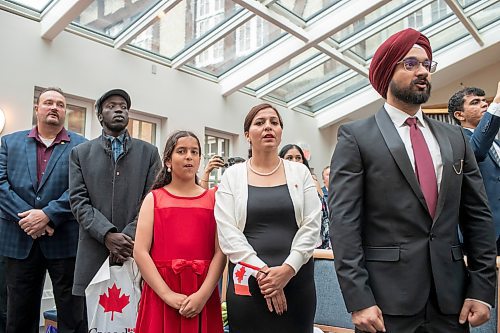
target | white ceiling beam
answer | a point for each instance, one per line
(274, 56)
(466, 21)
(300, 33)
(146, 20)
(278, 20)
(280, 10)
(253, 8)
(382, 24)
(337, 55)
(57, 18)
(210, 38)
(325, 86)
(292, 74)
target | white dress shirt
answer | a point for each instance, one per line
(399, 117)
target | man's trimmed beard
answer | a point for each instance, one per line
(411, 94)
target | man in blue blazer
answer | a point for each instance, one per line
(481, 124)
(38, 231)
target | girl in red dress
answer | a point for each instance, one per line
(176, 247)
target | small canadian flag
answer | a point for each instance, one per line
(241, 274)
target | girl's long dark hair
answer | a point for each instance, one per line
(164, 177)
(286, 148)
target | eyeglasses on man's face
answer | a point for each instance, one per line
(412, 64)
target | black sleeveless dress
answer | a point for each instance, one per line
(270, 229)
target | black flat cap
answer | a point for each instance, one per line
(113, 92)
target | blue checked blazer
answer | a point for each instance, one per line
(488, 160)
(20, 191)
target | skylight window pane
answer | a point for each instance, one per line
(239, 45)
(185, 24)
(283, 69)
(422, 18)
(38, 5)
(467, 3)
(335, 94)
(306, 9)
(309, 80)
(369, 19)
(448, 36)
(111, 17)
(487, 16)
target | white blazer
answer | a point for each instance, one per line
(231, 214)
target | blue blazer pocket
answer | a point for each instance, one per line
(382, 253)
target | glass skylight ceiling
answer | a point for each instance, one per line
(37, 5)
(306, 10)
(307, 55)
(111, 17)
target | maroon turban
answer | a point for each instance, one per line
(390, 52)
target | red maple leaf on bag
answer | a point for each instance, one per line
(113, 301)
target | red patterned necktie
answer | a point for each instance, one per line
(424, 168)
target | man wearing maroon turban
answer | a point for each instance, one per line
(401, 185)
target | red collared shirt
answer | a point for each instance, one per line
(43, 153)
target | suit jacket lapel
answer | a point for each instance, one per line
(31, 157)
(447, 159)
(54, 157)
(398, 151)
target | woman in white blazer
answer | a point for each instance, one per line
(268, 217)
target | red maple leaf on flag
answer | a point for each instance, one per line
(114, 302)
(240, 274)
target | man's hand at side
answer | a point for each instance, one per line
(369, 320)
(476, 313)
(120, 246)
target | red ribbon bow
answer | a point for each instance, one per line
(198, 266)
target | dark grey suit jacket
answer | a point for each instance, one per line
(106, 196)
(388, 249)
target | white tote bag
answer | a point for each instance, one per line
(113, 298)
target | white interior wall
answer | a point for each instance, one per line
(84, 68)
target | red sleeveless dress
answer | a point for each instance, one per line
(182, 249)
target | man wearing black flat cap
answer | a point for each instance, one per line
(109, 177)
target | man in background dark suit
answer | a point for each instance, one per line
(38, 232)
(401, 184)
(481, 124)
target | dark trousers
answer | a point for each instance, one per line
(429, 320)
(3, 296)
(25, 279)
